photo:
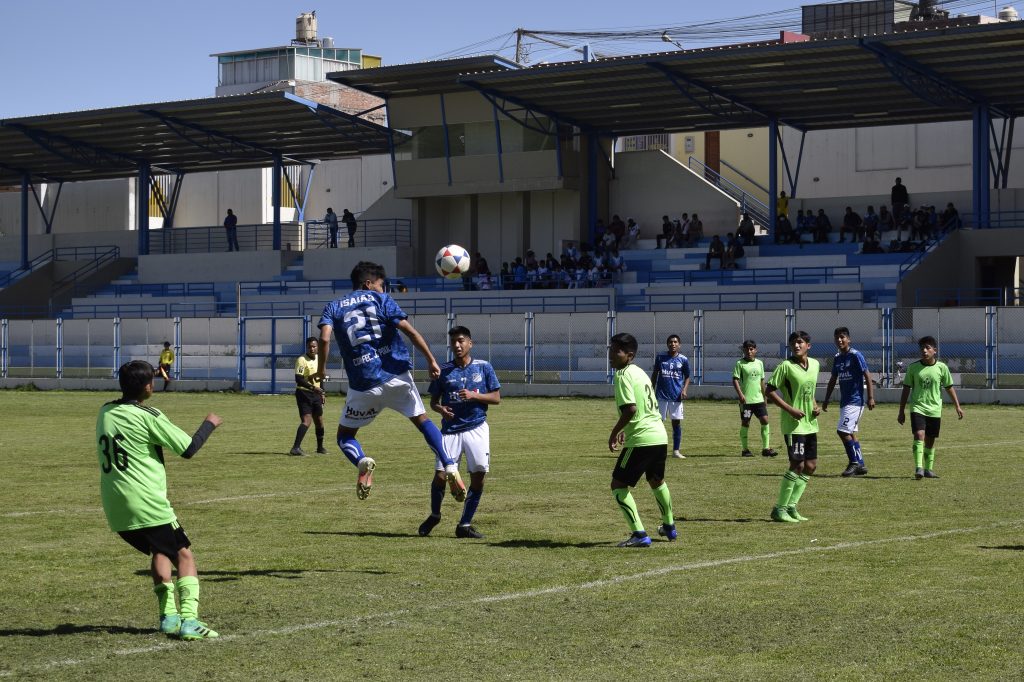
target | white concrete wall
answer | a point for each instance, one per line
(338, 263)
(238, 266)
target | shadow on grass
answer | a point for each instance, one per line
(71, 629)
(680, 519)
(284, 573)
(816, 475)
(546, 544)
(362, 533)
(1016, 548)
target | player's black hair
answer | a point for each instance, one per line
(134, 376)
(841, 330)
(673, 336)
(749, 343)
(311, 338)
(459, 331)
(167, 344)
(799, 335)
(365, 270)
(626, 342)
(928, 341)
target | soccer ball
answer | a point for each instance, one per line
(452, 261)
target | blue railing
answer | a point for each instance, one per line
(757, 209)
(371, 232)
(60, 253)
(939, 298)
(837, 273)
(214, 239)
(120, 290)
(99, 260)
(751, 300)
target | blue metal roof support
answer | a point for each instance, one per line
(275, 198)
(305, 193)
(75, 151)
(793, 178)
(773, 175)
(447, 144)
(48, 219)
(592, 144)
(1002, 143)
(558, 150)
(210, 140)
(167, 206)
(711, 100)
(497, 139)
(142, 208)
(493, 94)
(980, 203)
(391, 146)
(25, 181)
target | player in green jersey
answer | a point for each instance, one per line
(923, 386)
(791, 387)
(748, 382)
(130, 442)
(640, 433)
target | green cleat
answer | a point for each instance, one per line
(793, 513)
(192, 629)
(170, 624)
(780, 514)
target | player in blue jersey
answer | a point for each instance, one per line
(850, 370)
(379, 370)
(671, 378)
(461, 395)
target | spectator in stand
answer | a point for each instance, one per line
(506, 276)
(531, 260)
(351, 225)
(933, 221)
(784, 231)
(920, 228)
(949, 219)
(886, 223)
(733, 251)
(541, 278)
(852, 224)
(782, 205)
(668, 230)
(682, 234)
(615, 262)
(519, 274)
(608, 240)
(899, 198)
(904, 222)
(871, 231)
(746, 230)
(696, 231)
(715, 250)
(632, 235)
(571, 251)
(822, 227)
(599, 228)
(804, 225)
(618, 228)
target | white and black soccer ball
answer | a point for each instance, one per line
(452, 261)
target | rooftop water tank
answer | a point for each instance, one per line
(1008, 13)
(327, 42)
(305, 27)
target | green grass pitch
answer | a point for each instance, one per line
(891, 579)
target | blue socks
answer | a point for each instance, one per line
(853, 452)
(677, 435)
(433, 438)
(857, 452)
(351, 448)
(469, 506)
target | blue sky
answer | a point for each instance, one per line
(85, 54)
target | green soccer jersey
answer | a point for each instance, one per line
(797, 385)
(750, 373)
(633, 387)
(130, 438)
(926, 383)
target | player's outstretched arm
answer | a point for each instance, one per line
(421, 345)
(211, 422)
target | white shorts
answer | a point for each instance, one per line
(399, 393)
(849, 418)
(475, 443)
(670, 409)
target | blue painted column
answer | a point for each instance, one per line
(773, 174)
(275, 198)
(980, 198)
(447, 141)
(24, 220)
(142, 209)
(592, 143)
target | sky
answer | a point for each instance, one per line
(70, 55)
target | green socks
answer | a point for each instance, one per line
(628, 507)
(789, 482)
(165, 599)
(929, 458)
(744, 430)
(919, 454)
(798, 489)
(664, 498)
(766, 435)
(188, 595)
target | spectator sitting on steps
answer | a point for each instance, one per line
(715, 250)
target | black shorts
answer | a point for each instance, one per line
(309, 403)
(166, 368)
(636, 461)
(930, 425)
(166, 539)
(802, 446)
(748, 410)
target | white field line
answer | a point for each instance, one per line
(515, 596)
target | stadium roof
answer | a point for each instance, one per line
(913, 77)
(219, 133)
(420, 78)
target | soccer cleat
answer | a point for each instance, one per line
(678, 455)
(637, 539)
(794, 514)
(467, 532)
(296, 452)
(768, 452)
(850, 470)
(321, 450)
(451, 474)
(428, 525)
(192, 629)
(170, 624)
(746, 453)
(365, 479)
(928, 473)
(780, 514)
(918, 473)
(668, 530)
(861, 470)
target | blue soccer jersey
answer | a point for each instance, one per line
(478, 376)
(365, 325)
(848, 368)
(672, 372)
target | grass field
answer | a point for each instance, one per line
(891, 579)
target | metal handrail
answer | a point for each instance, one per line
(757, 209)
(369, 232)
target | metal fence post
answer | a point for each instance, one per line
(59, 360)
(991, 345)
(241, 353)
(609, 333)
(450, 322)
(887, 345)
(790, 325)
(698, 347)
(4, 352)
(176, 369)
(117, 347)
(528, 347)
